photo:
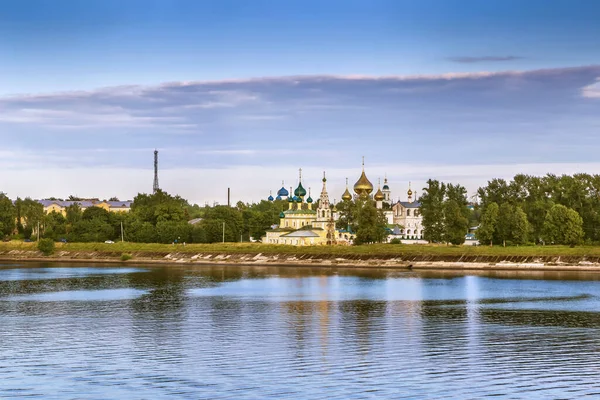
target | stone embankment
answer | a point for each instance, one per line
(465, 262)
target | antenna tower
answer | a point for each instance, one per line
(155, 188)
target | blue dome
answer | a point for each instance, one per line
(297, 199)
(270, 198)
(283, 192)
(278, 198)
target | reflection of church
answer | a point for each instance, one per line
(302, 225)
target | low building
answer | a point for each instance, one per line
(60, 206)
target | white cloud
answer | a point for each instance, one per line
(591, 91)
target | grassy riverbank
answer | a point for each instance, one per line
(365, 250)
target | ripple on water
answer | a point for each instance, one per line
(311, 336)
(80, 295)
(28, 274)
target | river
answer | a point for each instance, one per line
(226, 332)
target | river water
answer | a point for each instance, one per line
(149, 332)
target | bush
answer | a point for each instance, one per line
(395, 241)
(46, 246)
(125, 257)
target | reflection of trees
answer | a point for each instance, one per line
(361, 320)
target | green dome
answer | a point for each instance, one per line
(281, 215)
(290, 199)
(309, 200)
(300, 191)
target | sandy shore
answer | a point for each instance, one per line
(520, 263)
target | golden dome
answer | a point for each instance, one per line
(363, 187)
(379, 195)
(347, 196)
(409, 192)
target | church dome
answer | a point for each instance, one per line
(281, 215)
(347, 196)
(283, 192)
(278, 198)
(309, 200)
(410, 192)
(386, 187)
(379, 195)
(290, 199)
(270, 198)
(363, 186)
(300, 191)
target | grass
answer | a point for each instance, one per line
(365, 250)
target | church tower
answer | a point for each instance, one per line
(387, 194)
(324, 208)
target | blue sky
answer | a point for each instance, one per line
(242, 94)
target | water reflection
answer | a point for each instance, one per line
(230, 332)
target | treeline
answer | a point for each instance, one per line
(550, 209)
(154, 218)
(525, 210)
(446, 216)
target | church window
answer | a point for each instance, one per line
(408, 213)
(408, 231)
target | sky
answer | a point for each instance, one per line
(243, 94)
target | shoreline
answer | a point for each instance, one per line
(452, 263)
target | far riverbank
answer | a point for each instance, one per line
(553, 258)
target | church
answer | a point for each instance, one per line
(301, 225)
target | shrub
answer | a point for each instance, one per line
(125, 257)
(46, 246)
(395, 241)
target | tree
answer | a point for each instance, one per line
(370, 223)
(159, 206)
(55, 225)
(431, 209)
(98, 213)
(31, 212)
(346, 210)
(73, 213)
(46, 246)
(563, 225)
(489, 221)
(7, 215)
(456, 225)
(520, 226)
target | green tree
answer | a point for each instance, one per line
(31, 213)
(432, 210)
(8, 215)
(456, 225)
(370, 223)
(520, 226)
(55, 225)
(563, 225)
(489, 221)
(46, 246)
(73, 213)
(94, 212)
(159, 206)
(346, 211)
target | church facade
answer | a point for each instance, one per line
(303, 225)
